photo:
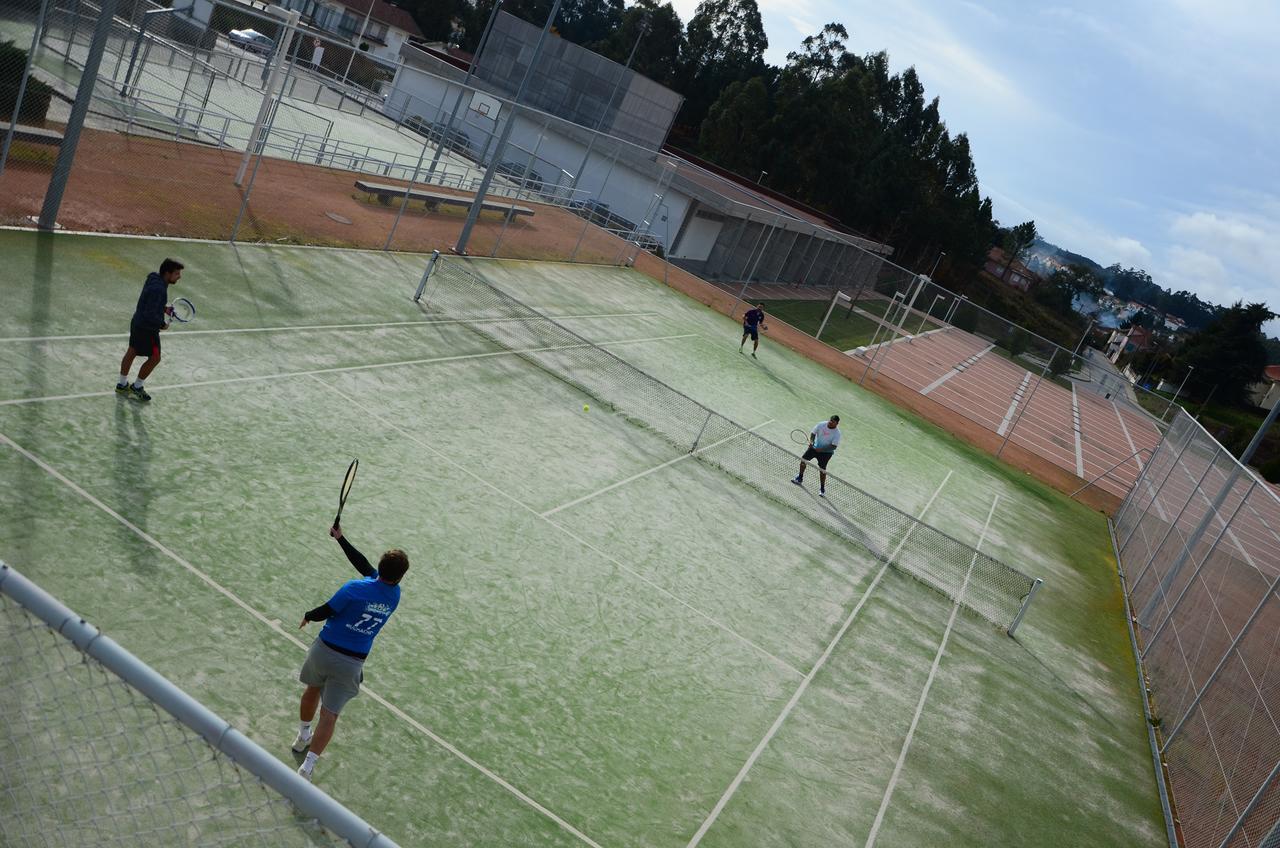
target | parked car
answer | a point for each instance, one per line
(450, 137)
(251, 40)
(521, 175)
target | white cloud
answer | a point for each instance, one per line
(1128, 251)
(1248, 245)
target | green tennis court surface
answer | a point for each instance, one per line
(599, 643)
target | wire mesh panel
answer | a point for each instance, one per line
(88, 758)
(995, 591)
(1199, 537)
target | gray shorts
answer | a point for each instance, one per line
(338, 675)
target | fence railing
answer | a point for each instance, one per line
(1199, 542)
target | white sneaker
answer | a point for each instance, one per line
(304, 770)
(301, 743)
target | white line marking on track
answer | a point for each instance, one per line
(346, 368)
(274, 624)
(649, 471)
(928, 683)
(1013, 405)
(183, 333)
(451, 461)
(1075, 424)
(1133, 449)
(958, 368)
(808, 678)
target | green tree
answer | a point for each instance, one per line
(725, 42)
(1229, 353)
(1016, 242)
(660, 47)
(734, 132)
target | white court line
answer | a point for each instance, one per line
(274, 624)
(1133, 449)
(484, 482)
(649, 471)
(317, 327)
(808, 678)
(928, 684)
(958, 368)
(1013, 405)
(346, 368)
(1075, 423)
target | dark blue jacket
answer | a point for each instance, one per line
(149, 314)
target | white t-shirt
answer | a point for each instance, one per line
(825, 438)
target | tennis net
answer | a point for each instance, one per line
(995, 591)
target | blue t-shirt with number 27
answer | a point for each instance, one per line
(360, 608)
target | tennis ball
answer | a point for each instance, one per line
(586, 408)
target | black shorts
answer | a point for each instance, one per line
(823, 457)
(144, 342)
(753, 332)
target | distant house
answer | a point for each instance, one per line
(1134, 339)
(389, 26)
(1174, 324)
(1020, 276)
(1267, 392)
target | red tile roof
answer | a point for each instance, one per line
(385, 13)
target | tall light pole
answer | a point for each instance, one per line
(591, 142)
(1190, 368)
(935, 263)
(355, 47)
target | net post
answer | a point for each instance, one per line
(1026, 602)
(422, 284)
(701, 430)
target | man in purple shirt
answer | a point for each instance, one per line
(334, 668)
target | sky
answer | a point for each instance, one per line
(1134, 131)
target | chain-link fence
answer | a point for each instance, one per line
(99, 749)
(1199, 541)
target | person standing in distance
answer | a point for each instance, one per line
(144, 329)
(824, 438)
(752, 324)
(334, 668)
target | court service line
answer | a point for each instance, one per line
(275, 625)
(649, 471)
(505, 494)
(348, 368)
(928, 684)
(808, 678)
(316, 327)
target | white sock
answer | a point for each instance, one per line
(304, 729)
(123, 381)
(137, 384)
(310, 762)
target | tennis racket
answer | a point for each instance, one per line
(347, 482)
(800, 437)
(181, 310)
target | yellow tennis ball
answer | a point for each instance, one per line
(586, 408)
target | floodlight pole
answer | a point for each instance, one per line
(137, 43)
(268, 94)
(591, 141)
(1172, 400)
(457, 103)
(356, 47)
(22, 86)
(474, 212)
(75, 121)
(935, 264)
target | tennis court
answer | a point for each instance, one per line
(601, 641)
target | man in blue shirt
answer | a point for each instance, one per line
(144, 329)
(334, 668)
(752, 324)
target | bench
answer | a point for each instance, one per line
(433, 200)
(32, 135)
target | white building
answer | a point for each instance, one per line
(389, 27)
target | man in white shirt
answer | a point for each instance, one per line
(824, 438)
